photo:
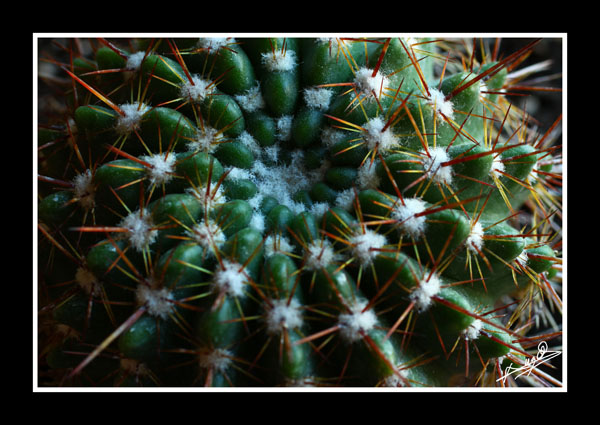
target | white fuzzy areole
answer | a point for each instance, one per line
(319, 254)
(256, 201)
(319, 209)
(366, 246)
(422, 294)
(473, 331)
(318, 97)
(345, 199)
(475, 239)
(283, 125)
(235, 173)
(213, 44)
(333, 42)
(282, 180)
(275, 243)
(522, 258)
(433, 168)
(197, 90)
(158, 302)
(161, 167)
(208, 200)
(208, 235)
(85, 190)
(370, 86)
(534, 175)
(497, 166)
(229, 278)
(405, 216)
(398, 379)
(356, 323)
(279, 60)
(206, 140)
(282, 316)
(217, 359)
(250, 142)
(367, 176)
(140, 232)
(377, 138)
(87, 281)
(331, 135)
(130, 121)
(134, 61)
(271, 153)
(257, 221)
(251, 100)
(441, 106)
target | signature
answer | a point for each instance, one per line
(543, 356)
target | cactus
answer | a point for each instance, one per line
(331, 212)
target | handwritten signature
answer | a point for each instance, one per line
(543, 356)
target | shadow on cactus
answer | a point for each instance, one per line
(296, 212)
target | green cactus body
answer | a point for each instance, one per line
(293, 212)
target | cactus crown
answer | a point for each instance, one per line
(295, 211)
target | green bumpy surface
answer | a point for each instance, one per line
(269, 212)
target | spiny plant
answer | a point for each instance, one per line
(295, 212)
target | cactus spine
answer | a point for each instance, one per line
(295, 212)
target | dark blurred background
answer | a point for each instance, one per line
(546, 106)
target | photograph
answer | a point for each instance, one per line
(299, 212)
